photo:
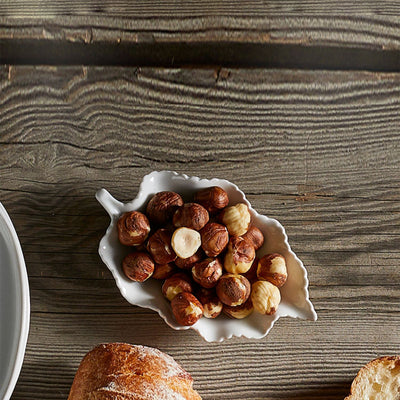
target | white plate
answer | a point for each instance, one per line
(295, 302)
(14, 306)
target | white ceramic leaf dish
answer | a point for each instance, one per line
(295, 298)
(14, 306)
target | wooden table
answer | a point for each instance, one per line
(311, 135)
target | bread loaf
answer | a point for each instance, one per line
(378, 380)
(119, 371)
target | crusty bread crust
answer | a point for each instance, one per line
(377, 380)
(119, 371)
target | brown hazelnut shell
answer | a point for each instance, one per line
(159, 246)
(233, 289)
(212, 305)
(191, 215)
(177, 283)
(133, 228)
(239, 312)
(214, 239)
(186, 308)
(162, 206)
(207, 272)
(255, 237)
(213, 198)
(272, 268)
(138, 266)
(239, 256)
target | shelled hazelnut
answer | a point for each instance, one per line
(207, 272)
(138, 266)
(175, 284)
(251, 274)
(212, 308)
(219, 270)
(213, 198)
(272, 268)
(239, 312)
(162, 206)
(233, 289)
(187, 263)
(159, 246)
(265, 297)
(185, 242)
(214, 238)
(163, 271)
(133, 228)
(255, 237)
(239, 256)
(212, 305)
(190, 215)
(186, 308)
(236, 218)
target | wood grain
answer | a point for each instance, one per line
(169, 8)
(312, 28)
(319, 151)
(358, 24)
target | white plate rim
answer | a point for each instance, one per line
(25, 305)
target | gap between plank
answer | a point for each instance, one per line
(180, 54)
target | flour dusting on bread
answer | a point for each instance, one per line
(119, 371)
(171, 367)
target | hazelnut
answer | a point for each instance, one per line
(213, 198)
(186, 309)
(191, 215)
(251, 274)
(133, 228)
(175, 284)
(239, 312)
(272, 268)
(255, 237)
(138, 266)
(239, 256)
(162, 206)
(185, 242)
(187, 263)
(265, 297)
(163, 271)
(236, 218)
(214, 238)
(207, 272)
(159, 246)
(233, 289)
(212, 305)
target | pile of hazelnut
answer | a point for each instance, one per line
(205, 252)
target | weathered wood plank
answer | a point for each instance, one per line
(357, 23)
(306, 35)
(319, 151)
(285, 370)
(173, 8)
(101, 297)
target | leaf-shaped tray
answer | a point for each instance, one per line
(295, 300)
